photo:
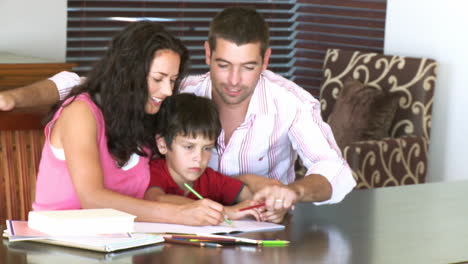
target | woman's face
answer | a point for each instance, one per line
(162, 75)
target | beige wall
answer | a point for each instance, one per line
(34, 28)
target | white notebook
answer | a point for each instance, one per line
(81, 222)
(238, 226)
(101, 243)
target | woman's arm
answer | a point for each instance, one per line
(75, 132)
(157, 194)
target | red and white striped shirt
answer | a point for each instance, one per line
(282, 121)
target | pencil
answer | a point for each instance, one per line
(201, 197)
(193, 243)
(217, 239)
(252, 207)
(274, 243)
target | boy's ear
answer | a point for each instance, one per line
(161, 144)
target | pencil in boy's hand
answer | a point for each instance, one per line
(193, 191)
(252, 207)
(201, 197)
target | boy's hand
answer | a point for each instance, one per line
(201, 212)
(276, 216)
(234, 213)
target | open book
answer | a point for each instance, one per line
(238, 226)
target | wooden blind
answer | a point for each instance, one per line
(343, 24)
(300, 30)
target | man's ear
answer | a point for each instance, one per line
(207, 53)
(161, 144)
(266, 58)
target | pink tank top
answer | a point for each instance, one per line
(54, 188)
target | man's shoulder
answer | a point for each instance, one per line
(196, 84)
(286, 91)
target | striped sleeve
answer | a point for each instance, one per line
(65, 81)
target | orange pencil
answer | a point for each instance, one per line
(252, 207)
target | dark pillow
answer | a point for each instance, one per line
(361, 113)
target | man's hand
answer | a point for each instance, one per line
(7, 101)
(277, 197)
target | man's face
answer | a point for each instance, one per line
(235, 70)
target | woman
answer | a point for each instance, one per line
(100, 138)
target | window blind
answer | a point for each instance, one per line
(300, 30)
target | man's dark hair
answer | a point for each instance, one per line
(187, 115)
(118, 85)
(241, 25)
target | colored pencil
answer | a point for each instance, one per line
(192, 243)
(216, 238)
(226, 219)
(252, 207)
(274, 243)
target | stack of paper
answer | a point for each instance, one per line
(18, 231)
(81, 222)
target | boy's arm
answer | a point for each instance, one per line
(157, 194)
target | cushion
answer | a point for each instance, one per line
(361, 113)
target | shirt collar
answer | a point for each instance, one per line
(261, 102)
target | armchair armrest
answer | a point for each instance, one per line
(388, 162)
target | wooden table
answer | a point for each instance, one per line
(425, 223)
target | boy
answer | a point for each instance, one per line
(187, 129)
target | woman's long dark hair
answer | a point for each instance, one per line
(118, 85)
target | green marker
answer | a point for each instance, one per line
(201, 197)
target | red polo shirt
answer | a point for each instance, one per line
(211, 184)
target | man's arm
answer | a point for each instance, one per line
(312, 188)
(45, 92)
(37, 94)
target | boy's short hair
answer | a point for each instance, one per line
(241, 25)
(187, 115)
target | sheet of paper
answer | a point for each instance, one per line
(239, 226)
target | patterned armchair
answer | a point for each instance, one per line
(400, 158)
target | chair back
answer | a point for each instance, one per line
(412, 80)
(21, 141)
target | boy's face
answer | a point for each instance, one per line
(188, 157)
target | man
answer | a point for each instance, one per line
(267, 120)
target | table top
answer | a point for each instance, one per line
(425, 223)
